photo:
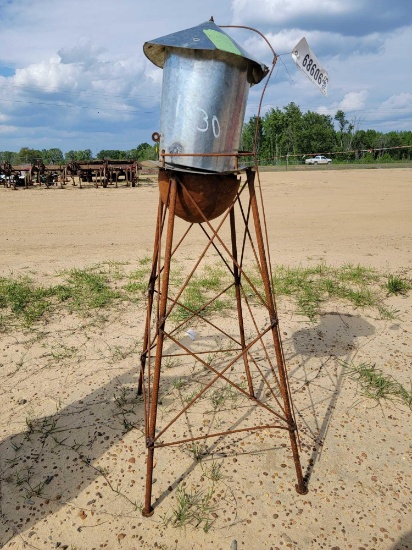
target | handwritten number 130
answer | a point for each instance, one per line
(205, 126)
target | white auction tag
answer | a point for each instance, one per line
(309, 64)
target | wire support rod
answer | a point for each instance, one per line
(222, 434)
(219, 375)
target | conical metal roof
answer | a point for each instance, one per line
(207, 36)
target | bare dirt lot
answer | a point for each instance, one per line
(72, 447)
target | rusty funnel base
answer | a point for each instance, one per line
(212, 193)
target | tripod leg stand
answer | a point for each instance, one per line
(150, 291)
(155, 342)
(284, 388)
(153, 399)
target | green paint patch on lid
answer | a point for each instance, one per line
(222, 41)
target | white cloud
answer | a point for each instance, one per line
(7, 130)
(351, 17)
(48, 76)
(83, 53)
(400, 101)
(324, 44)
(354, 101)
(282, 11)
(109, 84)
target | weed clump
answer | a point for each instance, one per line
(83, 290)
(195, 508)
(23, 299)
(397, 285)
(86, 289)
(376, 385)
(312, 286)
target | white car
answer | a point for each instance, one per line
(319, 159)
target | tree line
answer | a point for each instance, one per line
(281, 132)
(289, 131)
(143, 151)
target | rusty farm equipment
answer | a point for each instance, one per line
(98, 172)
(104, 172)
(12, 176)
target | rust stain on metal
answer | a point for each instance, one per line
(212, 193)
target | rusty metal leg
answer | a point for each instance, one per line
(300, 487)
(239, 302)
(150, 293)
(148, 510)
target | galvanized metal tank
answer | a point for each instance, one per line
(206, 82)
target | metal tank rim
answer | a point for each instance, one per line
(206, 36)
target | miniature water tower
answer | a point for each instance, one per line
(206, 81)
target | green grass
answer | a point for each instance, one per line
(179, 383)
(195, 508)
(214, 471)
(195, 301)
(82, 291)
(199, 291)
(376, 385)
(388, 313)
(197, 450)
(397, 285)
(211, 278)
(87, 289)
(138, 280)
(313, 286)
(103, 286)
(24, 300)
(225, 396)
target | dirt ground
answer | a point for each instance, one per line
(358, 216)
(72, 448)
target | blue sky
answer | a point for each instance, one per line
(73, 75)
